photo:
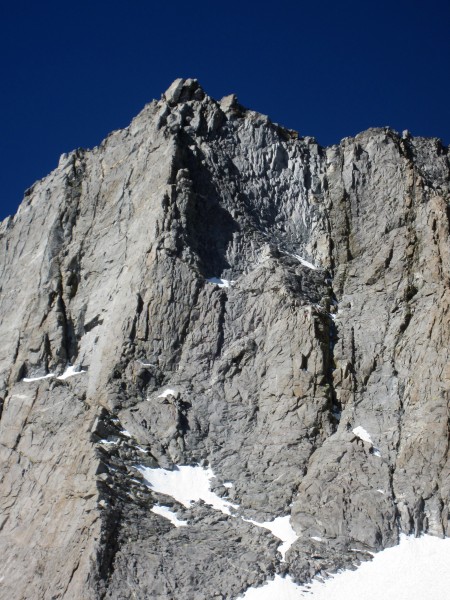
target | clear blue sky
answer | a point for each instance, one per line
(71, 72)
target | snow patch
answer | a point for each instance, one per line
(220, 282)
(164, 511)
(186, 484)
(31, 379)
(282, 529)
(108, 442)
(227, 484)
(280, 588)
(144, 364)
(316, 539)
(126, 433)
(363, 435)
(70, 372)
(169, 392)
(143, 450)
(305, 262)
(417, 568)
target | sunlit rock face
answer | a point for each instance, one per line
(209, 289)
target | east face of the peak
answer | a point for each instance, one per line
(183, 90)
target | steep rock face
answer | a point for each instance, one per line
(320, 393)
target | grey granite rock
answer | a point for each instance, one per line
(106, 268)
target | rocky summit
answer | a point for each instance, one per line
(224, 358)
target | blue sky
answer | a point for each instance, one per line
(73, 72)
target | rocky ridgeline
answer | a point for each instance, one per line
(238, 298)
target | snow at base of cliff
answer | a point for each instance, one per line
(416, 569)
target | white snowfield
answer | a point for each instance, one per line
(282, 529)
(416, 569)
(280, 588)
(186, 484)
(220, 282)
(165, 512)
(69, 372)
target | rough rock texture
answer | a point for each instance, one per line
(105, 267)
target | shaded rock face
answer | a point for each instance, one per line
(105, 268)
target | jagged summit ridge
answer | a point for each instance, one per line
(208, 288)
(183, 90)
